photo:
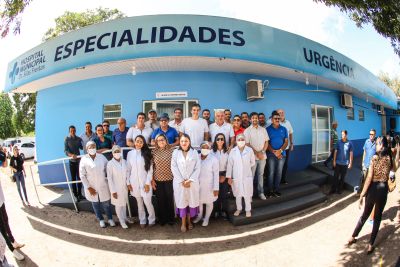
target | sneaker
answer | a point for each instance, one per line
(123, 225)
(129, 220)
(18, 256)
(371, 222)
(248, 214)
(205, 223)
(111, 222)
(277, 194)
(17, 245)
(237, 213)
(198, 219)
(262, 196)
(102, 224)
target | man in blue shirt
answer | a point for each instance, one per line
(170, 132)
(342, 160)
(119, 135)
(278, 141)
(369, 151)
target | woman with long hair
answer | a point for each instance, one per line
(17, 167)
(185, 166)
(162, 180)
(140, 173)
(375, 190)
(220, 151)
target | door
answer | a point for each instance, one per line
(168, 106)
(321, 128)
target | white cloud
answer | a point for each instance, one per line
(392, 66)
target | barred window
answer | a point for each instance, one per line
(112, 112)
(350, 113)
(361, 115)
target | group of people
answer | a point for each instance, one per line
(193, 165)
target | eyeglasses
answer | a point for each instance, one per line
(276, 119)
(106, 125)
(160, 140)
(219, 139)
(236, 119)
(371, 134)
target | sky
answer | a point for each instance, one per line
(315, 21)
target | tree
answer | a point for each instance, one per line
(392, 82)
(383, 15)
(10, 15)
(71, 21)
(24, 117)
(6, 113)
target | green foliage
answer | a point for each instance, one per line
(392, 82)
(6, 113)
(24, 117)
(10, 11)
(71, 21)
(383, 15)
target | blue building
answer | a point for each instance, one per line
(121, 67)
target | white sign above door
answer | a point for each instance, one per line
(171, 94)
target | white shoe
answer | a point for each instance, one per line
(111, 222)
(18, 256)
(205, 223)
(198, 218)
(237, 213)
(123, 225)
(248, 214)
(102, 224)
(262, 196)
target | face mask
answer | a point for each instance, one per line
(92, 151)
(205, 151)
(117, 156)
(241, 143)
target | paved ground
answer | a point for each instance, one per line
(316, 237)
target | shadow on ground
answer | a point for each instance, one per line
(87, 224)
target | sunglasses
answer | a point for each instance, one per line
(371, 134)
(220, 139)
(276, 119)
(106, 125)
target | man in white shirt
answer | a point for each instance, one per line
(177, 121)
(221, 126)
(195, 127)
(88, 135)
(152, 123)
(285, 123)
(257, 138)
(139, 129)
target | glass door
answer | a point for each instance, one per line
(321, 128)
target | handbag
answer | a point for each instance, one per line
(12, 177)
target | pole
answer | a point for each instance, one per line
(69, 186)
(34, 184)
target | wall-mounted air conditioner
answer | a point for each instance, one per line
(346, 101)
(254, 89)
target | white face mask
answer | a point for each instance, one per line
(117, 156)
(241, 143)
(205, 151)
(92, 151)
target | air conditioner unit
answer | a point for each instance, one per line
(254, 89)
(380, 109)
(346, 101)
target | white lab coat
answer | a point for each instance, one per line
(209, 179)
(117, 181)
(186, 169)
(239, 169)
(222, 158)
(138, 177)
(93, 174)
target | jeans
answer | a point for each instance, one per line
(376, 196)
(338, 182)
(74, 169)
(258, 173)
(285, 166)
(275, 167)
(20, 181)
(99, 207)
(330, 158)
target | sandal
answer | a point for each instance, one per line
(190, 226)
(351, 241)
(370, 249)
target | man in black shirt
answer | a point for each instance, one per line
(72, 145)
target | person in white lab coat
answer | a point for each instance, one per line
(92, 170)
(239, 174)
(185, 166)
(220, 151)
(117, 182)
(209, 183)
(140, 174)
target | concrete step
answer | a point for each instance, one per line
(288, 193)
(279, 209)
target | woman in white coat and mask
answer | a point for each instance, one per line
(140, 174)
(117, 182)
(239, 174)
(92, 170)
(209, 182)
(185, 166)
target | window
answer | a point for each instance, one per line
(350, 113)
(111, 113)
(168, 106)
(361, 115)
